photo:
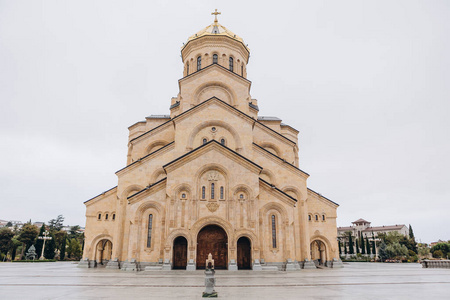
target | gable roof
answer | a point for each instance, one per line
(277, 189)
(360, 220)
(211, 144)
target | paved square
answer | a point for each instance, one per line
(63, 280)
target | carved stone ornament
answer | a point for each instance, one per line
(213, 176)
(213, 206)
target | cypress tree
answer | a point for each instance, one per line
(340, 250)
(357, 246)
(50, 247)
(411, 233)
(374, 249)
(363, 246)
(345, 247)
(62, 250)
(39, 243)
(350, 243)
(367, 246)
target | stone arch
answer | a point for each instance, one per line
(268, 176)
(291, 189)
(326, 256)
(278, 207)
(155, 145)
(213, 220)
(196, 130)
(183, 187)
(146, 205)
(243, 188)
(270, 146)
(132, 188)
(176, 233)
(326, 241)
(206, 168)
(95, 241)
(225, 89)
(248, 234)
(157, 175)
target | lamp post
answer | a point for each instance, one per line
(44, 237)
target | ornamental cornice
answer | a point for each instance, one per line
(207, 40)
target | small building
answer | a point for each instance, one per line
(362, 226)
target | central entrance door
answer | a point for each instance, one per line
(243, 253)
(180, 253)
(212, 239)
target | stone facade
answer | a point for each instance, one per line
(212, 168)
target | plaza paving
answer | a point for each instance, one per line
(63, 280)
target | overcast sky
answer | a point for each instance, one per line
(365, 82)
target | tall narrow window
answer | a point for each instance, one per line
(99, 216)
(231, 64)
(205, 141)
(215, 59)
(106, 217)
(212, 190)
(114, 217)
(149, 234)
(274, 233)
(199, 63)
(203, 192)
(221, 192)
(187, 68)
(242, 70)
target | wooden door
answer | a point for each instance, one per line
(212, 239)
(244, 254)
(179, 253)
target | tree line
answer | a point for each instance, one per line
(63, 245)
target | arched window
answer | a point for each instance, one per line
(241, 196)
(106, 217)
(203, 192)
(199, 63)
(323, 217)
(114, 217)
(309, 217)
(242, 70)
(187, 68)
(99, 216)
(274, 232)
(317, 217)
(183, 196)
(222, 141)
(221, 192)
(212, 190)
(231, 64)
(215, 59)
(149, 233)
(205, 141)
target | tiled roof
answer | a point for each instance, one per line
(381, 228)
(360, 221)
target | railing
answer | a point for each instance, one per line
(443, 264)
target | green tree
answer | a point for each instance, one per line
(9, 224)
(339, 244)
(411, 233)
(350, 243)
(74, 249)
(367, 246)
(15, 245)
(443, 247)
(395, 250)
(56, 224)
(50, 247)
(357, 246)
(6, 236)
(40, 242)
(345, 247)
(27, 236)
(363, 246)
(62, 249)
(382, 251)
(374, 247)
(438, 254)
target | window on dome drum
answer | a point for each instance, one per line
(231, 64)
(274, 233)
(106, 217)
(212, 190)
(309, 218)
(323, 217)
(183, 195)
(203, 192)
(222, 141)
(215, 58)
(114, 217)
(242, 70)
(199, 63)
(317, 218)
(205, 141)
(149, 232)
(241, 196)
(187, 69)
(99, 216)
(221, 192)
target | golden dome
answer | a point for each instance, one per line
(216, 29)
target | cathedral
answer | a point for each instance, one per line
(211, 177)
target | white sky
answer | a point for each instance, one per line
(365, 82)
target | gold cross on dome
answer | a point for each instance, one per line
(216, 13)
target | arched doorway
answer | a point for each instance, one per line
(244, 256)
(180, 253)
(318, 253)
(103, 252)
(212, 239)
